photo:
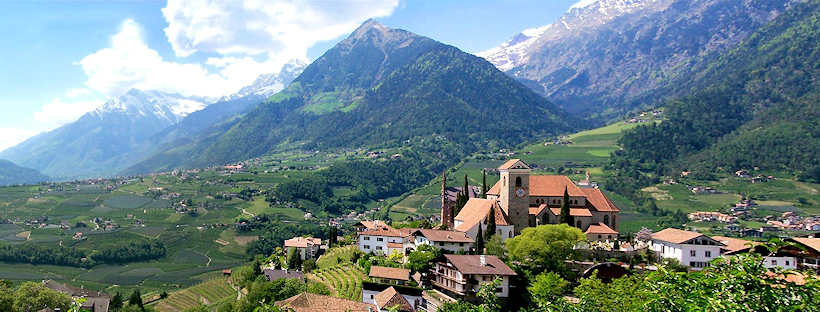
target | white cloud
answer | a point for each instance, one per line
(281, 29)
(129, 63)
(60, 112)
(12, 136)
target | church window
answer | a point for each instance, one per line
(606, 219)
(517, 181)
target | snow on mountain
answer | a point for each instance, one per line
(583, 16)
(269, 84)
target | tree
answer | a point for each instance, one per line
(309, 265)
(421, 259)
(565, 216)
(116, 301)
(484, 188)
(163, 295)
(546, 288)
(490, 224)
(544, 247)
(257, 268)
(479, 241)
(294, 259)
(135, 299)
(31, 296)
(6, 297)
(495, 247)
(332, 236)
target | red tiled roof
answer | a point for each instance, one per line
(496, 189)
(600, 228)
(390, 273)
(302, 242)
(553, 185)
(813, 243)
(476, 210)
(678, 236)
(372, 225)
(307, 302)
(509, 164)
(444, 236)
(388, 232)
(390, 298)
(734, 245)
(537, 210)
(471, 264)
(575, 212)
(599, 200)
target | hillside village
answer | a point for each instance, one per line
(463, 267)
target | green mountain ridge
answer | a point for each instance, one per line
(379, 87)
(754, 106)
(10, 173)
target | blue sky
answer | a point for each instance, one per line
(63, 58)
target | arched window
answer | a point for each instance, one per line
(504, 181)
(606, 219)
(517, 181)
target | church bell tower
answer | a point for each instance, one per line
(514, 195)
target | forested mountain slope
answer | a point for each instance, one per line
(380, 87)
(755, 106)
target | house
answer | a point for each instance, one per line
(94, 301)
(475, 214)
(388, 275)
(452, 241)
(808, 256)
(385, 241)
(600, 231)
(274, 274)
(307, 302)
(734, 246)
(689, 248)
(307, 247)
(463, 275)
(448, 200)
(531, 200)
(385, 296)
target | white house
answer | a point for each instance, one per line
(451, 241)
(689, 248)
(385, 241)
(463, 275)
(307, 247)
(404, 300)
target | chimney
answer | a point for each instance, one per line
(483, 260)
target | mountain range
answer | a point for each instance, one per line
(379, 87)
(601, 56)
(132, 126)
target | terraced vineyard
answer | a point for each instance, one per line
(336, 255)
(344, 281)
(206, 293)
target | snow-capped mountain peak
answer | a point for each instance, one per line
(268, 84)
(583, 16)
(169, 106)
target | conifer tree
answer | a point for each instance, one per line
(565, 216)
(483, 184)
(136, 299)
(466, 187)
(479, 241)
(116, 302)
(490, 224)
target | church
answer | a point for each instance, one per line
(520, 200)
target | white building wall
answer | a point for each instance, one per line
(452, 247)
(377, 244)
(683, 252)
(787, 263)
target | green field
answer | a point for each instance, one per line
(344, 281)
(207, 293)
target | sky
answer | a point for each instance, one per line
(63, 58)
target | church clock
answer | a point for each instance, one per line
(520, 192)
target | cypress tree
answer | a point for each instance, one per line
(136, 299)
(565, 217)
(116, 302)
(479, 241)
(466, 187)
(490, 224)
(483, 184)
